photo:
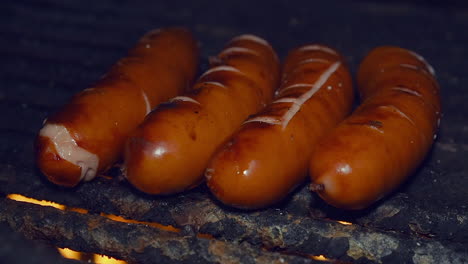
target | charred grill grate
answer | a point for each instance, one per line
(51, 49)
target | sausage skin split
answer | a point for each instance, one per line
(370, 153)
(170, 150)
(268, 156)
(86, 136)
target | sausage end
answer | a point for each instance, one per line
(56, 169)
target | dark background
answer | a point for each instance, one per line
(50, 49)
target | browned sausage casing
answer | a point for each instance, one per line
(170, 150)
(269, 155)
(370, 153)
(86, 136)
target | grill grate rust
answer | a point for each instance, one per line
(53, 48)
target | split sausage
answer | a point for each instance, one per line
(86, 136)
(269, 155)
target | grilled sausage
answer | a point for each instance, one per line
(86, 136)
(170, 150)
(268, 157)
(370, 153)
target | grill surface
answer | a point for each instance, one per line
(52, 49)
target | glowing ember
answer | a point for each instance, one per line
(344, 223)
(320, 258)
(77, 210)
(21, 198)
(153, 224)
(205, 236)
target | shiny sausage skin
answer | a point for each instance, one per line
(268, 157)
(374, 150)
(170, 150)
(86, 136)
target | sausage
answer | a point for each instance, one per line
(387, 137)
(86, 136)
(268, 156)
(170, 150)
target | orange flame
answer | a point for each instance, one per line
(320, 258)
(102, 259)
(69, 254)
